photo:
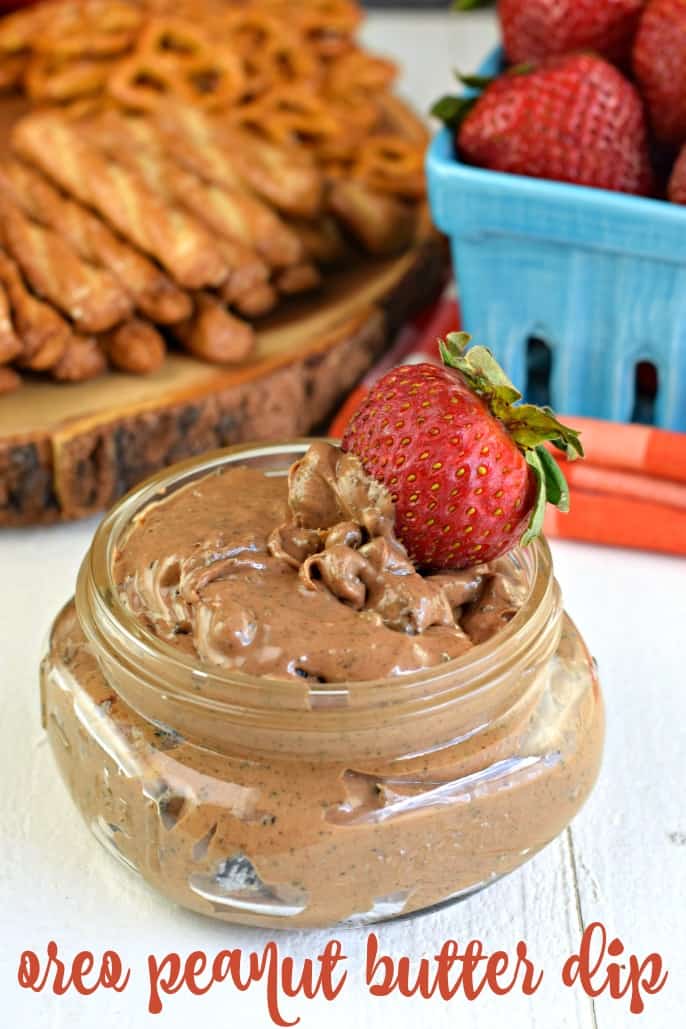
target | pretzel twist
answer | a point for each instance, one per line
(53, 80)
(391, 165)
(271, 52)
(290, 114)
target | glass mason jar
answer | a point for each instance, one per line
(296, 804)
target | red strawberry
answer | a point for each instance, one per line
(660, 67)
(534, 29)
(464, 462)
(574, 119)
(676, 191)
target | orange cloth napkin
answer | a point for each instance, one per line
(629, 491)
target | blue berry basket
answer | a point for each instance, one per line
(598, 277)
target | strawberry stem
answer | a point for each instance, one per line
(452, 110)
(469, 5)
(530, 426)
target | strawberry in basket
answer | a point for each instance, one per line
(660, 67)
(534, 29)
(464, 461)
(574, 119)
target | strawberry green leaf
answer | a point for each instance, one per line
(533, 459)
(479, 82)
(551, 488)
(525, 68)
(469, 5)
(557, 490)
(452, 110)
(530, 425)
(527, 424)
(479, 368)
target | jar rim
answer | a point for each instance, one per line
(104, 617)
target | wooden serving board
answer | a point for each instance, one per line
(69, 450)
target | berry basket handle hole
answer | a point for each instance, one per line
(646, 389)
(539, 368)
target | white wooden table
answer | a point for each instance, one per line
(622, 863)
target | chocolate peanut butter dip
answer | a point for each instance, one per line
(302, 580)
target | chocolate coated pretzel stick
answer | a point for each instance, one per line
(90, 296)
(150, 289)
(179, 242)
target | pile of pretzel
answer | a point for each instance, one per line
(188, 165)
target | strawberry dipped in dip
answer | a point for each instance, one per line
(378, 559)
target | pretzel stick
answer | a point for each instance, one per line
(10, 344)
(90, 296)
(321, 240)
(301, 278)
(9, 380)
(214, 335)
(237, 215)
(180, 244)
(247, 270)
(233, 213)
(255, 302)
(246, 286)
(135, 347)
(43, 332)
(284, 177)
(382, 224)
(153, 292)
(130, 139)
